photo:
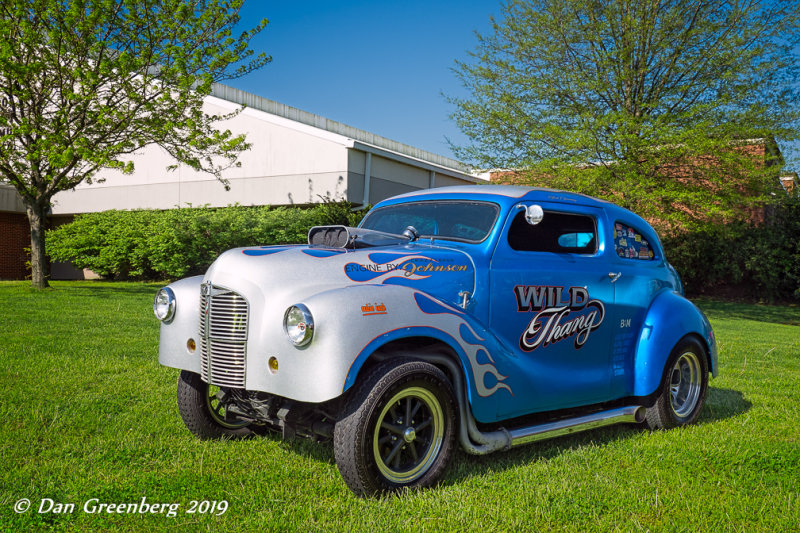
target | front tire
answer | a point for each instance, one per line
(397, 428)
(202, 408)
(683, 388)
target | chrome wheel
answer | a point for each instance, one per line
(215, 400)
(685, 384)
(409, 434)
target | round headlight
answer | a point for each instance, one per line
(164, 304)
(298, 324)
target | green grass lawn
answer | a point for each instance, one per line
(86, 412)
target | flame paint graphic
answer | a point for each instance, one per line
(472, 344)
(323, 253)
(479, 371)
(265, 250)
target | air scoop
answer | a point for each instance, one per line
(352, 238)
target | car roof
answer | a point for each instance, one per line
(509, 195)
(503, 194)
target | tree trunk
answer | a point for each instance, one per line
(37, 216)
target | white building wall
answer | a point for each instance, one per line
(295, 158)
(288, 163)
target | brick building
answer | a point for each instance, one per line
(15, 236)
(763, 153)
(790, 183)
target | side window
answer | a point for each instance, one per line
(557, 232)
(630, 244)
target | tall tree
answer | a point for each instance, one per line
(83, 83)
(650, 103)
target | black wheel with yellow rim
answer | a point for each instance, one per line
(397, 429)
(202, 408)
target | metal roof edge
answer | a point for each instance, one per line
(237, 96)
(426, 165)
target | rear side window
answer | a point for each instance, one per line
(557, 232)
(630, 244)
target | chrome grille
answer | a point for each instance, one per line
(223, 336)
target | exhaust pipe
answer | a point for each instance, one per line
(631, 414)
(478, 442)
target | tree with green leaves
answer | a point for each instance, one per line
(653, 104)
(84, 83)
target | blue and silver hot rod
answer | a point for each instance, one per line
(488, 315)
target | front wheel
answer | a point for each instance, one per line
(397, 429)
(683, 388)
(202, 408)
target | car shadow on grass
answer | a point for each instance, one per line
(465, 466)
(317, 451)
(720, 404)
(321, 451)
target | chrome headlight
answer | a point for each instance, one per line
(164, 304)
(298, 324)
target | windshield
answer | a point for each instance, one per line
(454, 220)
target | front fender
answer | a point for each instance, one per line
(172, 349)
(669, 318)
(425, 316)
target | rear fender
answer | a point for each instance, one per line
(670, 318)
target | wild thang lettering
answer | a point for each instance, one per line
(559, 314)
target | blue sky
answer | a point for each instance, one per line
(376, 65)
(381, 66)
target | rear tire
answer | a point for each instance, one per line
(202, 409)
(683, 388)
(397, 428)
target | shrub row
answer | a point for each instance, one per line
(761, 262)
(150, 244)
(764, 260)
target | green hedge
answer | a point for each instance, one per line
(150, 244)
(761, 262)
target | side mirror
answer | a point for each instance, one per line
(534, 214)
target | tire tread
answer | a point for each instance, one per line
(194, 411)
(349, 438)
(660, 415)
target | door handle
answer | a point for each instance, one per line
(464, 295)
(614, 276)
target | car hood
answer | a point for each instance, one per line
(307, 270)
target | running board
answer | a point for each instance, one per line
(478, 442)
(631, 414)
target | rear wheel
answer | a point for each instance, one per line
(684, 386)
(398, 428)
(202, 408)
